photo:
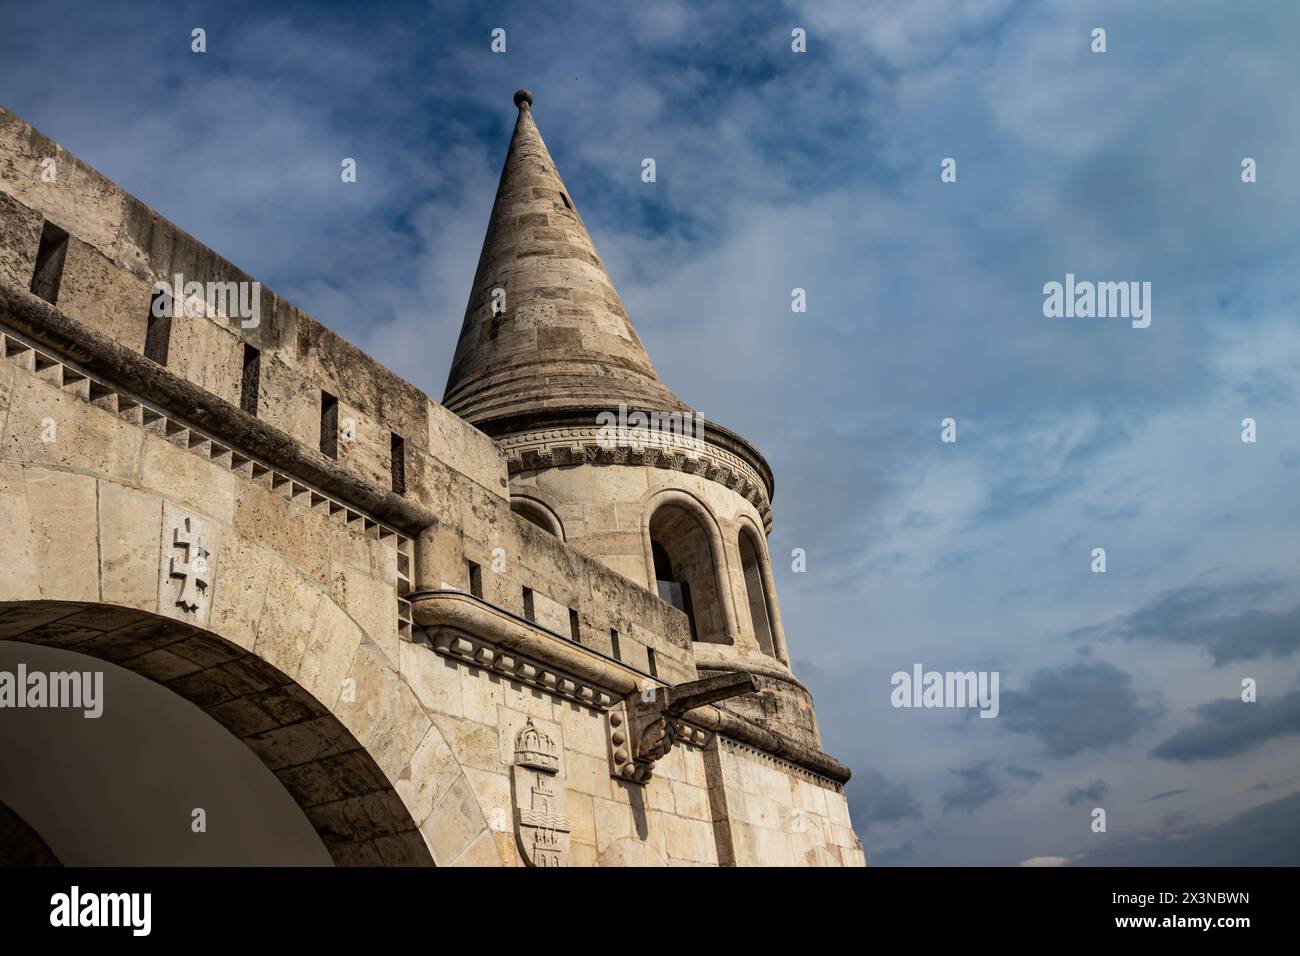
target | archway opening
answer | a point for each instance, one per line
(686, 572)
(137, 776)
(759, 606)
(173, 672)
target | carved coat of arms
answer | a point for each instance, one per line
(541, 821)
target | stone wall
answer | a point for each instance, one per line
(778, 814)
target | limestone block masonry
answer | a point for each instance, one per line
(481, 632)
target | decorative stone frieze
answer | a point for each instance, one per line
(558, 447)
(522, 669)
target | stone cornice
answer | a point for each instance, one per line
(786, 766)
(572, 437)
(484, 635)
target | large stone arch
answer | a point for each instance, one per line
(326, 695)
(335, 781)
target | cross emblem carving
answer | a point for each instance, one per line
(193, 569)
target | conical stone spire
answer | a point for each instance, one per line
(545, 335)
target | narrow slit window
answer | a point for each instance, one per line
(329, 424)
(613, 644)
(397, 463)
(249, 383)
(575, 631)
(650, 662)
(158, 329)
(567, 204)
(475, 579)
(50, 256)
(528, 605)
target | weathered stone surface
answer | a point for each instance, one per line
(491, 372)
(208, 352)
(288, 612)
(63, 547)
(371, 602)
(130, 545)
(190, 561)
(242, 583)
(429, 775)
(483, 851)
(96, 289)
(296, 534)
(183, 477)
(456, 821)
(51, 426)
(401, 725)
(20, 234)
(331, 650)
(434, 679)
(629, 852)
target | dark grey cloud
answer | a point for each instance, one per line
(1086, 705)
(977, 787)
(1265, 386)
(876, 800)
(1024, 773)
(1227, 727)
(1163, 796)
(898, 855)
(1091, 793)
(1036, 473)
(1267, 835)
(1221, 619)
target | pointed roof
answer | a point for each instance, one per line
(561, 343)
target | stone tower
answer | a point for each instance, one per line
(601, 453)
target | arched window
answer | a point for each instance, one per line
(759, 615)
(534, 512)
(685, 572)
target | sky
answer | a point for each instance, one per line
(821, 170)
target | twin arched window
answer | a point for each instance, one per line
(685, 573)
(686, 576)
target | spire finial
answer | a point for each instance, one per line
(523, 98)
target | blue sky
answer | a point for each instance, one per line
(821, 171)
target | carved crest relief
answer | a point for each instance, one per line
(541, 809)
